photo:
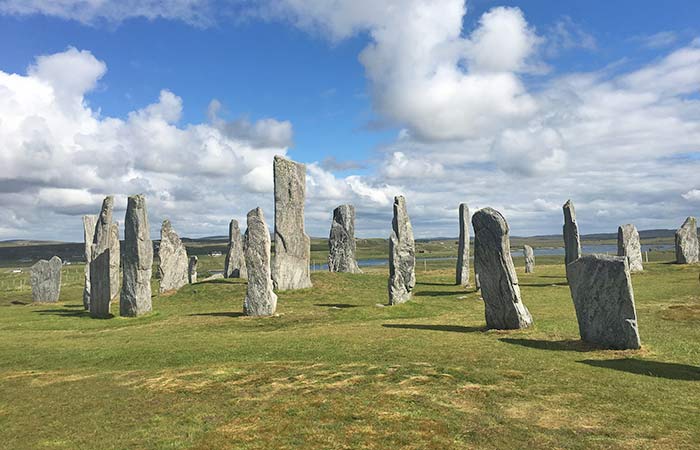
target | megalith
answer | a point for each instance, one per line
(260, 300)
(628, 245)
(135, 298)
(402, 255)
(114, 260)
(499, 283)
(192, 270)
(572, 242)
(174, 265)
(601, 288)
(463, 246)
(89, 222)
(234, 266)
(529, 255)
(104, 273)
(292, 245)
(687, 242)
(341, 241)
(45, 279)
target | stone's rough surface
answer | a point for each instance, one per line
(628, 245)
(192, 270)
(173, 267)
(463, 246)
(234, 266)
(135, 298)
(89, 223)
(402, 255)
(99, 284)
(529, 254)
(499, 282)
(259, 298)
(687, 242)
(477, 283)
(601, 288)
(114, 260)
(292, 245)
(45, 279)
(572, 242)
(341, 242)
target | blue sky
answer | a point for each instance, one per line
(298, 65)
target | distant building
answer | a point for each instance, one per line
(215, 254)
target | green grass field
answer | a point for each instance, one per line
(335, 371)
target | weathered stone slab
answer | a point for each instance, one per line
(341, 242)
(463, 246)
(100, 294)
(114, 260)
(173, 267)
(234, 266)
(687, 249)
(45, 279)
(572, 241)
(477, 283)
(629, 246)
(402, 255)
(499, 282)
(292, 245)
(135, 298)
(529, 255)
(260, 300)
(192, 270)
(89, 222)
(601, 288)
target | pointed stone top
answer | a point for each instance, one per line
(399, 199)
(569, 211)
(256, 212)
(167, 225)
(689, 221)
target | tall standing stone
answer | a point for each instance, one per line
(114, 260)
(402, 255)
(102, 265)
(234, 266)
(135, 298)
(687, 242)
(192, 270)
(292, 245)
(174, 265)
(89, 222)
(260, 300)
(463, 246)
(341, 242)
(572, 242)
(499, 282)
(628, 245)
(529, 255)
(45, 279)
(601, 288)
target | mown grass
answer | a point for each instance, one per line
(336, 371)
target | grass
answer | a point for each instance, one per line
(335, 371)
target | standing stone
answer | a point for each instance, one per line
(114, 260)
(174, 266)
(499, 282)
(192, 270)
(463, 247)
(89, 223)
(292, 245)
(101, 266)
(45, 279)
(572, 242)
(402, 255)
(477, 282)
(341, 242)
(687, 242)
(135, 297)
(529, 254)
(234, 266)
(628, 245)
(259, 298)
(601, 288)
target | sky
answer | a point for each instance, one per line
(516, 105)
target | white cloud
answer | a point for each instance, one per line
(692, 195)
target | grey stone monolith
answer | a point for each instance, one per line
(601, 288)
(192, 270)
(260, 300)
(499, 282)
(463, 246)
(114, 260)
(529, 255)
(173, 266)
(45, 279)
(402, 255)
(687, 250)
(572, 241)
(135, 298)
(292, 245)
(629, 246)
(341, 241)
(89, 222)
(102, 266)
(234, 266)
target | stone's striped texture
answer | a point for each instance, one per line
(89, 222)
(114, 260)
(45, 279)
(260, 300)
(687, 242)
(463, 246)
(104, 281)
(173, 267)
(572, 241)
(234, 266)
(341, 242)
(100, 305)
(402, 255)
(529, 255)
(499, 282)
(135, 298)
(629, 246)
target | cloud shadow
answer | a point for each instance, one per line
(658, 369)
